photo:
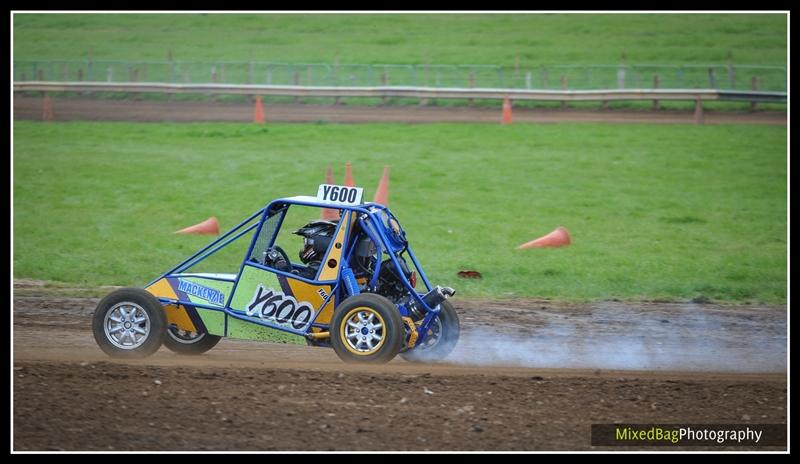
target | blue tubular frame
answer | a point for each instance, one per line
(393, 257)
(367, 228)
(191, 259)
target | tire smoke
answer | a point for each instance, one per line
(687, 337)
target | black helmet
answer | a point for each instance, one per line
(317, 236)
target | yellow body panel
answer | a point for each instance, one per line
(176, 314)
(308, 292)
(335, 253)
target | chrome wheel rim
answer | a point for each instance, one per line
(127, 325)
(185, 336)
(364, 332)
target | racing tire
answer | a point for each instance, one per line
(129, 323)
(441, 340)
(189, 343)
(367, 328)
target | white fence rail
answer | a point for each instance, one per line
(407, 92)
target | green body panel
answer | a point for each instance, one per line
(213, 320)
(251, 278)
(238, 328)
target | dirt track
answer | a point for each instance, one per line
(252, 396)
(89, 109)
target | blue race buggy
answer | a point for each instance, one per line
(351, 288)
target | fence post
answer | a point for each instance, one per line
(545, 81)
(296, 82)
(213, 80)
(698, 111)
(173, 76)
(712, 78)
(754, 85)
(135, 78)
(80, 79)
(471, 84)
(563, 87)
(732, 77)
(40, 75)
(528, 79)
(425, 76)
(656, 84)
(89, 75)
(621, 77)
(384, 83)
(337, 100)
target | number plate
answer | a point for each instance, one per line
(339, 194)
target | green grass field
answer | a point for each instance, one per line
(656, 211)
(407, 39)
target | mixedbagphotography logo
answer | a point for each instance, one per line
(750, 435)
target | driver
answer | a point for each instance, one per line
(317, 235)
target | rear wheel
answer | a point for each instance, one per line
(441, 339)
(367, 328)
(189, 343)
(129, 323)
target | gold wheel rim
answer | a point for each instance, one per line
(362, 331)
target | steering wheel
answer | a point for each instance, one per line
(278, 259)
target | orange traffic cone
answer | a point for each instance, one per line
(47, 108)
(258, 113)
(348, 175)
(506, 111)
(208, 227)
(328, 214)
(382, 195)
(557, 238)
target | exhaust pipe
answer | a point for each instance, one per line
(437, 295)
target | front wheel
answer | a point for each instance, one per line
(189, 343)
(367, 328)
(441, 339)
(129, 323)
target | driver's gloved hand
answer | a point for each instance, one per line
(281, 264)
(274, 259)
